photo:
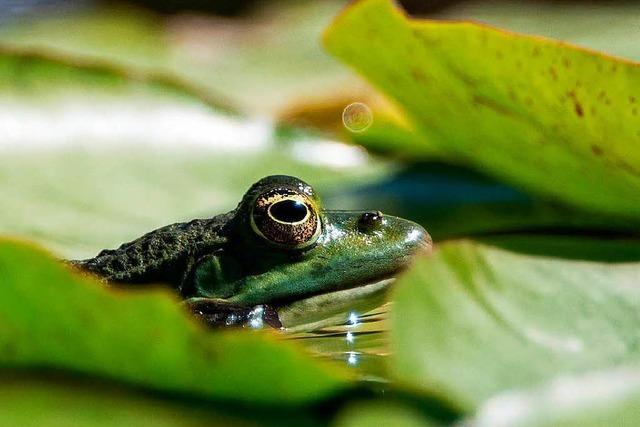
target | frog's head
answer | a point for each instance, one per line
(284, 247)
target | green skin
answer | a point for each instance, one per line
(225, 261)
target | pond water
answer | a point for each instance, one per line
(356, 337)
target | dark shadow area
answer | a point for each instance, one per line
(59, 385)
(454, 202)
(602, 249)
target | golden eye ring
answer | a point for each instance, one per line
(286, 219)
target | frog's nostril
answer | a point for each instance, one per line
(370, 221)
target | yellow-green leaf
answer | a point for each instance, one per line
(556, 119)
(381, 414)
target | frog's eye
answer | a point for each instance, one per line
(286, 218)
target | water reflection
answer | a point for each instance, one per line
(350, 337)
(353, 358)
(353, 318)
(360, 341)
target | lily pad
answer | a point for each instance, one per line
(474, 321)
(53, 318)
(388, 414)
(28, 71)
(594, 399)
(556, 119)
(261, 62)
(64, 402)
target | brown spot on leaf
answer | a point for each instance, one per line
(419, 75)
(632, 99)
(566, 62)
(490, 103)
(466, 79)
(622, 164)
(536, 51)
(554, 73)
(576, 103)
(596, 150)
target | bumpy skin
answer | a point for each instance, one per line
(225, 260)
(165, 255)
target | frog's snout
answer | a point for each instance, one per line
(419, 240)
(414, 236)
(411, 238)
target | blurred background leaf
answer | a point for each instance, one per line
(606, 26)
(473, 321)
(368, 414)
(52, 318)
(57, 401)
(260, 61)
(609, 397)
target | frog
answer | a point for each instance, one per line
(278, 246)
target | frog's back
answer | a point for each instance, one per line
(163, 255)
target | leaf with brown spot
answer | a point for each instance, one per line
(480, 109)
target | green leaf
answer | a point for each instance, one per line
(553, 118)
(31, 72)
(52, 318)
(473, 321)
(604, 249)
(265, 62)
(69, 402)
(381, 413)
(589, 400)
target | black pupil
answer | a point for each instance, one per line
(288, 211)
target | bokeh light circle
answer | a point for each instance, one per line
(357, 117)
